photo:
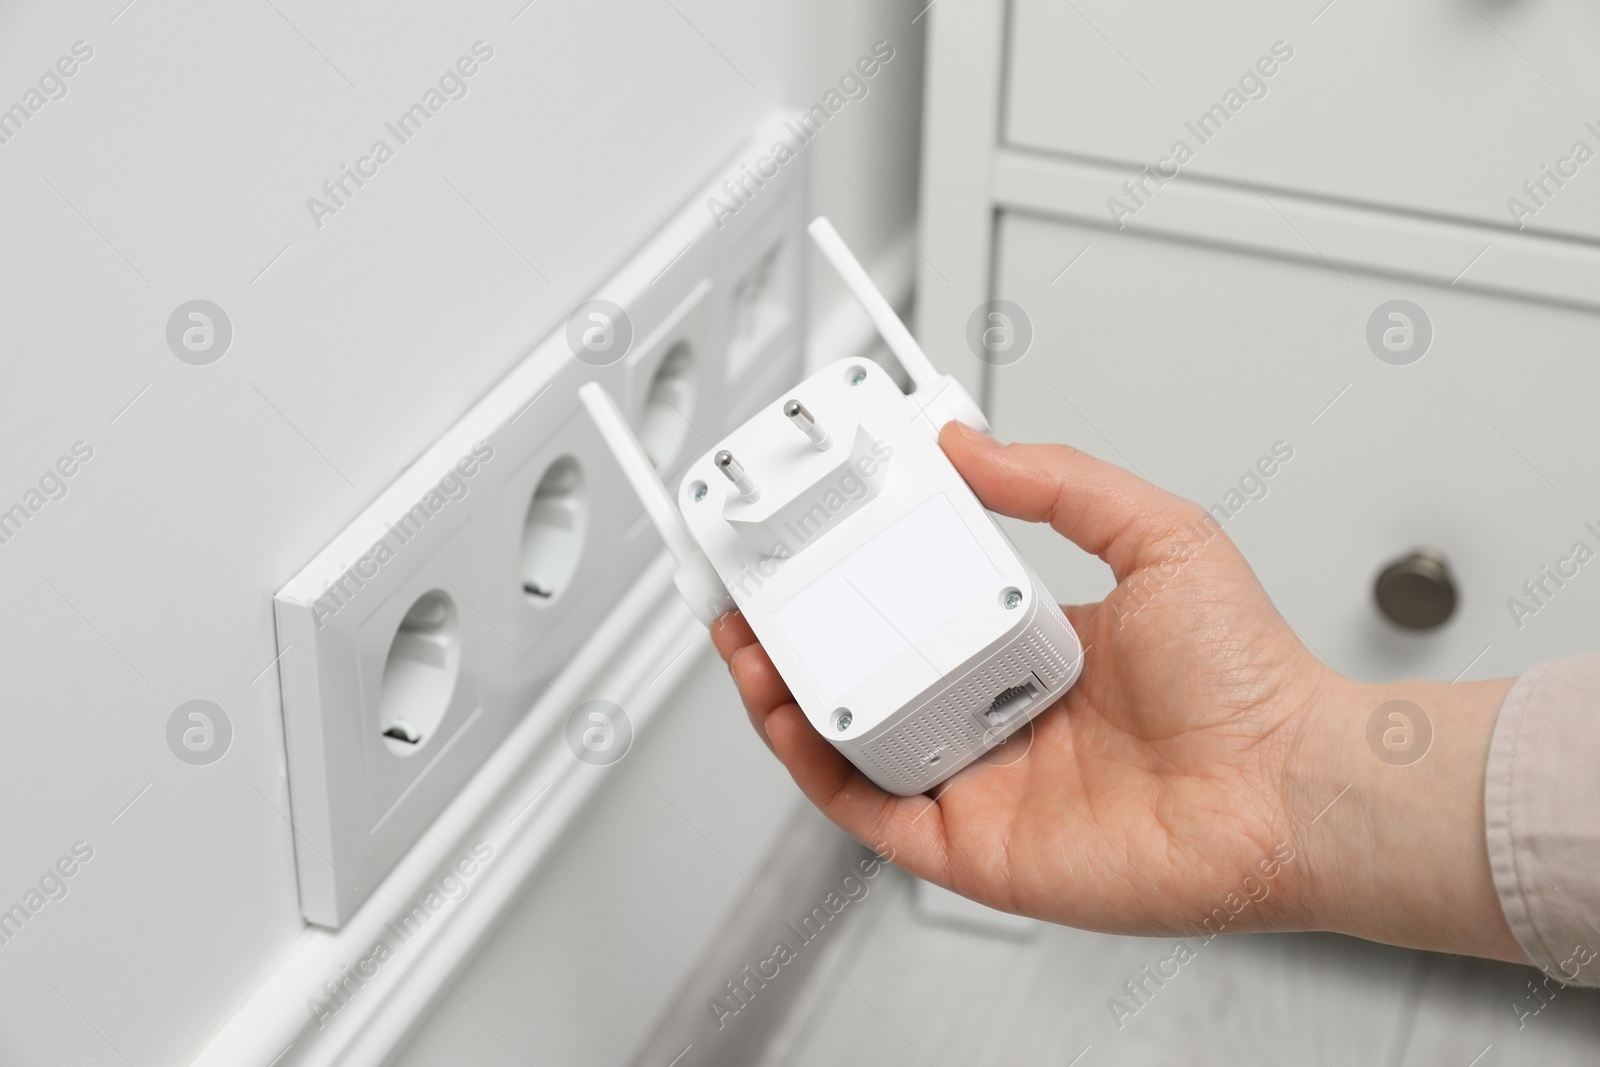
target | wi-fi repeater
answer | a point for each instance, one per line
(912, 635)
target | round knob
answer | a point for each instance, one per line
(1417, 591)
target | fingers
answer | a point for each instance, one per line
(730, 633)
(1101, 508)
(907, 829)
(1080, 616)
(761, 687)
(759, 684)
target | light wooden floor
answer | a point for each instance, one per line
(916, 985)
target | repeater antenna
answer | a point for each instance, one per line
(955, 401)
(694, 576)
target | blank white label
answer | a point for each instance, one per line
(886, 595)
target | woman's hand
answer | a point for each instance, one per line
(1205, 766)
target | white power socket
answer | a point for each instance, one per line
(422, 633)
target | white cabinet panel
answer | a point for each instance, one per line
(1189, 363)
(1440, 107)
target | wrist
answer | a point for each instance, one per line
(1390, 815)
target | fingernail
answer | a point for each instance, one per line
(959, 429)
(974, 435)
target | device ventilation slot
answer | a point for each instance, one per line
(953, 723)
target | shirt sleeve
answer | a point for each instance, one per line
(1542, 816)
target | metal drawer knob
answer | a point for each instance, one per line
(1417, 591)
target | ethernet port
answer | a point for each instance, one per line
(1013, 701)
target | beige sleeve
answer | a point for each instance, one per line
(1542, 808)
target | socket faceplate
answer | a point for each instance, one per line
(420, 635)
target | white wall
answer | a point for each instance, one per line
(177, 166)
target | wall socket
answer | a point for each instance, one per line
(424, 631)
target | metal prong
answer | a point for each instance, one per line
(741, 481)
(802, 418)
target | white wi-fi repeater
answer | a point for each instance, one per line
(911, 633)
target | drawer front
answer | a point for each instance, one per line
(1445, 107)
(1192, 364)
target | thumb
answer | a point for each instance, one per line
(1097, 506)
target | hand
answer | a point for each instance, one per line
(1193, 765)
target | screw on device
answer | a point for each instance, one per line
(735, 472)
(814, 431)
